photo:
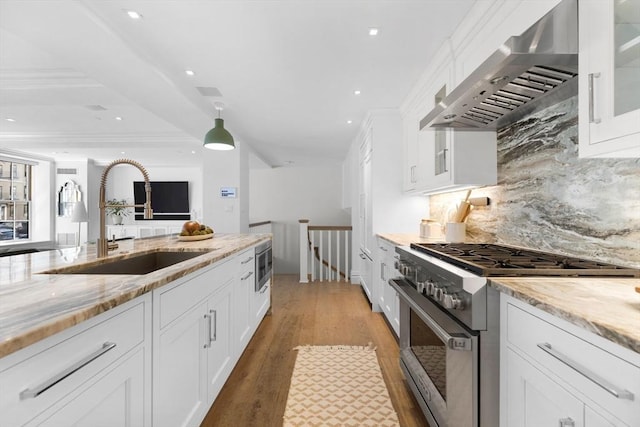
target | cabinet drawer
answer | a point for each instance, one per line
(172, 301)
(565, 355)
(40, 379)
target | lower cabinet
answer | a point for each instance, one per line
(554, 373)
(114, 398)
(244, 288)
(192, 351)
(366, 278)
(94, 374)
(260, 303)
(387, 296)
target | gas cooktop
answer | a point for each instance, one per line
(498, 260)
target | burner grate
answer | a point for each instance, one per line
(498, 260)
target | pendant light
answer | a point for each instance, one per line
(219, 138)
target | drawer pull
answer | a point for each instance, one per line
(246, 260)
(46, 385)
(610, 388)
(264, 289)
(246, 276)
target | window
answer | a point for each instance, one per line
(15, 200)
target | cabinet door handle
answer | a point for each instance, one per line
(207, 343)
(46, 385)
(567, 422)
(264, 289)
(214, 328)
(383, 249)
(592, 376)
(592, 118)
(246, 260)
(246, 276)
(382, 265)
(444, 156)
(362, 256)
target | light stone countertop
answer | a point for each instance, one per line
(34, 306)
(608, 307)
(405, 239)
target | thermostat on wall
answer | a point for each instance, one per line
(228, 192)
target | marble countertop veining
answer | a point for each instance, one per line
(35, 305)
(608, 307)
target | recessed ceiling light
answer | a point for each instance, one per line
(190, 72)
(193, 151)
(10, 120)
(349, 122)
(122, 152)
(373, 31)
(119, 118)
(133, 14)
(356, 92)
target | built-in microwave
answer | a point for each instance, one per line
(263, 264)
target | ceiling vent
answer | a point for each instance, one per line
(66, 171)
(95, 108)
(209, 91)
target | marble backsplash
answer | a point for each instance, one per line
(549, 199)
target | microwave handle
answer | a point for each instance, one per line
(453, 342)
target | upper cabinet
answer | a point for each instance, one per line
(609, 78)
(438, 160)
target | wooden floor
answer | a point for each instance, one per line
(316, 314)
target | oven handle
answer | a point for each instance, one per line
(454, 342)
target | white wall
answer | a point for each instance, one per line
(120, 186)
(226, 169)
(285, 195)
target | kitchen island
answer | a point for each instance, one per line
(75, 346)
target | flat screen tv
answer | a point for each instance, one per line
(169, 199)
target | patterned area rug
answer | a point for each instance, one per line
(338, 386)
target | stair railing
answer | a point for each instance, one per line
(325, 252)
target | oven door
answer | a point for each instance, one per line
(263, 265)
(439, 358)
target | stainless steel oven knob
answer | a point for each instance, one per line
(439, 293)
(431, 287)
(420, 286)
(452, 301)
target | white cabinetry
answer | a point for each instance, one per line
(94, 374)
(192, 349)
(260, 303)
(381, 204)
(609, 78)
(244, 289)
(555, 373)
(387, 296)
(443, 159)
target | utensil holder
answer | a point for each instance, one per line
(455, 232)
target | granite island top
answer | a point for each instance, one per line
(35, 305)
(608, 307)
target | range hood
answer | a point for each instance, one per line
(527, 73)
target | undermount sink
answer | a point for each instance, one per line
(137, 264)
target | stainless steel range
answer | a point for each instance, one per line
(449, 322)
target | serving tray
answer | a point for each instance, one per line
(196, 237)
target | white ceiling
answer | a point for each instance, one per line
(286, 71)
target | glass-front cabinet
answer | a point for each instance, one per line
(15, 197)
(609, 73)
